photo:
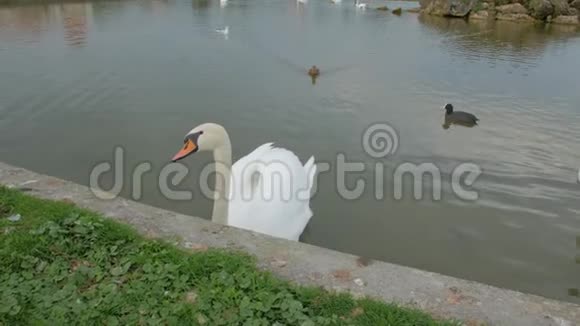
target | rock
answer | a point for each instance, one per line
(566, 20)
(397, 11)
(484, 5)
(454, 8)
(509, 2)
(561, 7)
(342, 275)
(14, 218)
(359, 282)
(513, 12)
(573, 12)
(541, 9)
(191, 297)
(195, 246)
(515, 8)
(482, 14)
(414, 10)
(279, 263)
(363, 261)
(515, 17)
(383, 8)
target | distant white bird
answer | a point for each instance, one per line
(224, 31)
(336, 1)
(223, 3)
(360, 5)
(302, 1)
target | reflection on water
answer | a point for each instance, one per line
(75, 23)
(33, 21)
(85, 77)
(517, 44)
(200, 4)
(499, 37)
(29, 22)
(447, 123)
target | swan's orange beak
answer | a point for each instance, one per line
(189, 148)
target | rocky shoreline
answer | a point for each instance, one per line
(565, 12)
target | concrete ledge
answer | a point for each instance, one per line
(440, 295)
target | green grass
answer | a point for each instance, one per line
(62, 265)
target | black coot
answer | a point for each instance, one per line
(459, 117)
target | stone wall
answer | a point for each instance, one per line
(443, 296)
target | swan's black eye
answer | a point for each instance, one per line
(191, 137)
(201, 132)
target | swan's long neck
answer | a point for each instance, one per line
(223, 159)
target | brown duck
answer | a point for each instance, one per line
(314, 71)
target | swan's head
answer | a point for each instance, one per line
(205, 137)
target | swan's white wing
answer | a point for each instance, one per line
(270, 192)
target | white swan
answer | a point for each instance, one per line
(269, 189)
(224, 31)
(360, 5)
(223, 3)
